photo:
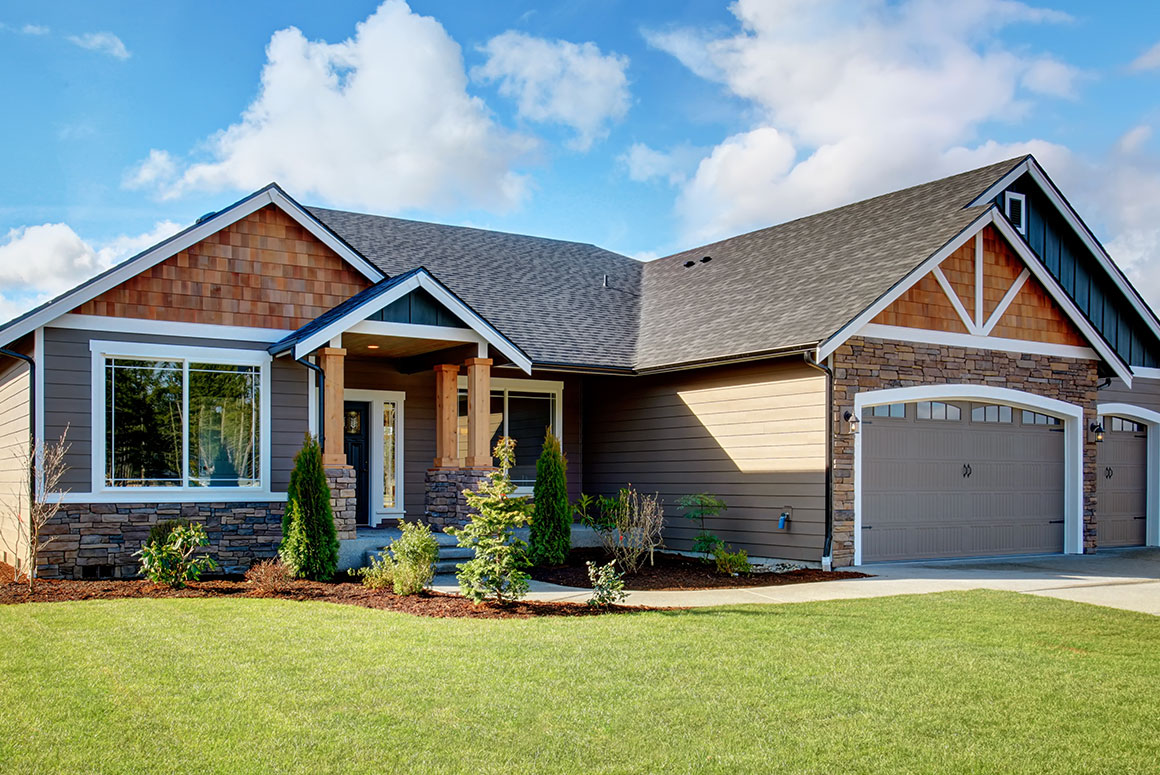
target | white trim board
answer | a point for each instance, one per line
(168, 328)
(1151, 419)
(991, 216)
(1037, 174)
(951, 339)
(420, 278)
(181, 241)
(376, 511)
(1073, 425)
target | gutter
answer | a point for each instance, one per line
(827, 547)
(32, 475)
(320, 383)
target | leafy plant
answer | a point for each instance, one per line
(311, 549)
(630, 525)
(269, 575)
(497, 568)
(550, 537)
(697, 507)
(380, 574)
(415, 553)
(607, 585)
(175, 561)
(159, 532)
(731, 563)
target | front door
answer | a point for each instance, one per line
(356, 444)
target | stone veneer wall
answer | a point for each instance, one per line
(863, 364)
(445, 504)
(342, 480)
(107, 534)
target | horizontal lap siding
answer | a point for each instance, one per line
(68, 399)
(14, 438)
(752, 434)
(1144, 393)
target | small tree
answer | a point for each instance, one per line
(497, 568)
(551, 528)
(697, 507)
(311, 548)
(43, 497)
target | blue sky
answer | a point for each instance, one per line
(645, 127)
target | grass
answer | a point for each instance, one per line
(965, 682)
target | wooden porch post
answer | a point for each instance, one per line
(447, 416)
(478, 412)
(331, 360)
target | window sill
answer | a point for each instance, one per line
(174, 495)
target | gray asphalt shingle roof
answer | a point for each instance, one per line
(547, 296)
(789, 285)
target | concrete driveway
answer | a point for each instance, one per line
(1119, 578)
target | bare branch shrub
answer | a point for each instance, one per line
(44, 503)
(630, 525)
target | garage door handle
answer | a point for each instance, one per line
(867, 527)
(1055, 522)
(1108, 472)
(966, 470)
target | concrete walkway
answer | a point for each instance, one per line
(1120, 578)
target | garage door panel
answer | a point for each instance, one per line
(1121, 488)
(918, 504)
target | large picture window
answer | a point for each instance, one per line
(181, 423)
(523, 410)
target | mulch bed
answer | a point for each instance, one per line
(676, 571)
(433, 604)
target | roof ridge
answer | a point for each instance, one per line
(1007, 164)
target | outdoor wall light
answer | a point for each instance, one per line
(1097, 432)
(851, 418)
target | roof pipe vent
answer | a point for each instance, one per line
(690, 263)
(706, 259)
(605, 281)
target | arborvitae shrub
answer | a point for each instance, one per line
(551, 529)
(311, 548)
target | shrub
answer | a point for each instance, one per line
(380, 574)
(551, 528)
(630, 525)
(159, 533)
(310, 550)
(175, 560)
(415, 553)
(269, 575)
(497, 568)
(731, 563)
(607, 585)
(697, 507)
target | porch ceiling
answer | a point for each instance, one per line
(378, 346)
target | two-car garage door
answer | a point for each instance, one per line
(957, 479)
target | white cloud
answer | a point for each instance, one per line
(1149, 60)
(853, 99)
(34, 29)
(644, 163)
(101, 42)
(39, 262)
(382, 120)
(573, 84)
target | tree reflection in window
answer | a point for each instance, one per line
(223, 425)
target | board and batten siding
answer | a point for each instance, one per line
(753, 434)
(67, 367)
(14, 437)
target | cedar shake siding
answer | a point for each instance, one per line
(68, 399)
(14, 438)
(264, 271)
(753, 434)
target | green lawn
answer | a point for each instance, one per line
(983, 682)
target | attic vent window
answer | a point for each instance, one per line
(1016, 208)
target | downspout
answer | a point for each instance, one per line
(32, 476)
(321, 384)
(827, 555)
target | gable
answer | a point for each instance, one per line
(264, 270)
(983, 288)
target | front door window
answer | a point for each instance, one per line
(390, 463)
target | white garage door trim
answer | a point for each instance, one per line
(1152, 420)
(1073, 427)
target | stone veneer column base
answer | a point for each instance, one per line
(104, 536)
(445, 504)
(342, 480)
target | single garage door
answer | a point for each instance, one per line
(1122, 483)
(958, 479)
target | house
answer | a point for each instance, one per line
(956, 369)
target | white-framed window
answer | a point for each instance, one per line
(1015, 206)
(937, 410)
(889, 410)
(992, 413)
(180, 423)
(522, 409)
(385, 486)
(1119, 424)
(1036, 418)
